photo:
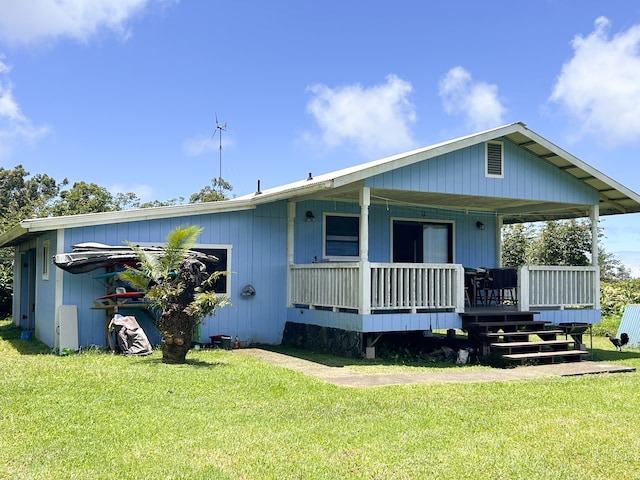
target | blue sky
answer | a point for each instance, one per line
(125, 93)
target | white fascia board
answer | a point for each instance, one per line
(105, 218)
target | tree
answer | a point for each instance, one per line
(177, 288)
(83, 197)
(563, 243)
(212, 193)
(22, 197)
(558, 243)
(516, 244)
(611, 268)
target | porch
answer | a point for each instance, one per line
(372, 289)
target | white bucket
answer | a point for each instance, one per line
(463, 357)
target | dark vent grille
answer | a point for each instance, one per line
(494, 159)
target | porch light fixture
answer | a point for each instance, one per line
(310, 217)
(479, 225)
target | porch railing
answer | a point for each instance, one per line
(334, 285)
(398, 286)
(559, 287)
(411, 287)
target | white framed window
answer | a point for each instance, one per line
(222, 286)
(341, 237)
(46, 259)
(494, 159)
(223, 253)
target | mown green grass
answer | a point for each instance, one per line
(224, 415)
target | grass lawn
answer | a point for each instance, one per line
(222, 415)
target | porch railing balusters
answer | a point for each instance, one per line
(426, 287)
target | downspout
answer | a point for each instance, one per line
(291, 216)
(595, 218)
(364, 293)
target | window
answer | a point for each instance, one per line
(223, 254)
(46, 254)
(342, 237)
(494, 159)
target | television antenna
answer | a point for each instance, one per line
(219, 128)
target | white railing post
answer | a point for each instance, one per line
(595, 215)
(291, 216)
(364, 296)
(459, 282)
(523, 288)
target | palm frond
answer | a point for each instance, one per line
(179, 241)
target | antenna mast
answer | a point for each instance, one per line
(219, 128)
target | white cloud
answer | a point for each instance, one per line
(144, 192)
(376, 120)
(198, 145)
(36, 21)
(203, 144)
(15, 127)
(477, 101)
(599, 86)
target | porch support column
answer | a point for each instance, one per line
(291, 216)
(364, 294)
(595, 218)
(499, 224)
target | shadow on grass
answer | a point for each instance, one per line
(597, 355)
(336, 361)
(600, 355)
(11, 334)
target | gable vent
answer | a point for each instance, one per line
(494, 159)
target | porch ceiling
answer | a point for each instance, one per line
(512, 210)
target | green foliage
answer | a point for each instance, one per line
(608, 324)
(615, 296)
(517, 244)
(611, 268)
(156, 275)
(557, 243)
(83, 198)
(22, 196)
(212, 193)
(563, 243)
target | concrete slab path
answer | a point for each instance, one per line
(348, 378)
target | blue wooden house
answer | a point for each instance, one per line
(381, 247)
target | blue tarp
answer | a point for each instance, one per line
(630, 324)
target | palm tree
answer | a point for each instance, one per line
(178, 289)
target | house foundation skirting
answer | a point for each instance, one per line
(323, 339)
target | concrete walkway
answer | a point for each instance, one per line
(348, 378)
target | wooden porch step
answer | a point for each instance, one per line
(516, 323)
(549, 343)
(552, 355)
(524, 333)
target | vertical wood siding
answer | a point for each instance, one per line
(462, 172)
(472, 247)
(258, 257)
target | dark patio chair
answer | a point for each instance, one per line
(504, 281)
